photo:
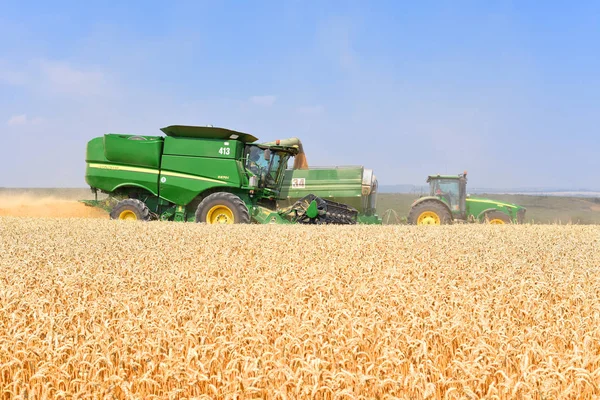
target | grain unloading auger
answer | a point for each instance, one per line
(204, 174)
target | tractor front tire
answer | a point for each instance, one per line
(222, 208)
(496, 218)
(429, 213)
(130, 209)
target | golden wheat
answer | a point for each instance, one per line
(109, 309)
(27, 205)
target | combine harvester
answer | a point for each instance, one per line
(216, 175)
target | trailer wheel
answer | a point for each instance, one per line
(130, 209)
(496, 218)
(429, 213)
(222, 208)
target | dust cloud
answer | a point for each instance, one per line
(46, 207)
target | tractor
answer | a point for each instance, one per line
(204, 174)
(449, 202)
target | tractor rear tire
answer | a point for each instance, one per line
(131, 209)
(496, 218)
(429, 212)
(222, 208)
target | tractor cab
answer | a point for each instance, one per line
(452, 190)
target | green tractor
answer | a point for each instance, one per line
(203, 174)
(448, 201)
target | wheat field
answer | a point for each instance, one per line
(112, 309)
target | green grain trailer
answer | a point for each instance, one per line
(354, 186)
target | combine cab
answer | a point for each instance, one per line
(202, 174)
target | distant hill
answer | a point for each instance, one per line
(423, 189)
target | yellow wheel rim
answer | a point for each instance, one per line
(128, 215)
(428, 218)
(220, 215)
(497, 221)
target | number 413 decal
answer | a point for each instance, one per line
(225, 151)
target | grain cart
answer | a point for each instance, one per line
(354, 186)
(201, 174)
(448, 202)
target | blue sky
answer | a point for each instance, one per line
(508, 90)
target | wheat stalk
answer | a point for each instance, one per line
(108, 309)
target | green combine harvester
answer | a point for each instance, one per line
(448, 202)
(216, 175)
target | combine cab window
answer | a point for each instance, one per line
(268, 168)
(273, 171)
(255, 160)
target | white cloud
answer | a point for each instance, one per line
(311, 110)
(17, 120)
(22, 119)
(62, 77)
(266, 101)
(11, 76)
(335, 38)
(56, 77)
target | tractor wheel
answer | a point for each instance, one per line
(429, 213)
(222, 208)
(496, 218)
(130, 209)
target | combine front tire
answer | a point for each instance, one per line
(496, 218)
(429, 213)
(222, 208)
(130, 209)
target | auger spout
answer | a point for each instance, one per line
(300, 158)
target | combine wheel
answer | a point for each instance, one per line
(130, 209)
(222, 208)
(496, 218)
(429, 213)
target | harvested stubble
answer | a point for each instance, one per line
(45, 206)
(109, 309)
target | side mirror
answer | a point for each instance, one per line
(253, 182)
(267, 155)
